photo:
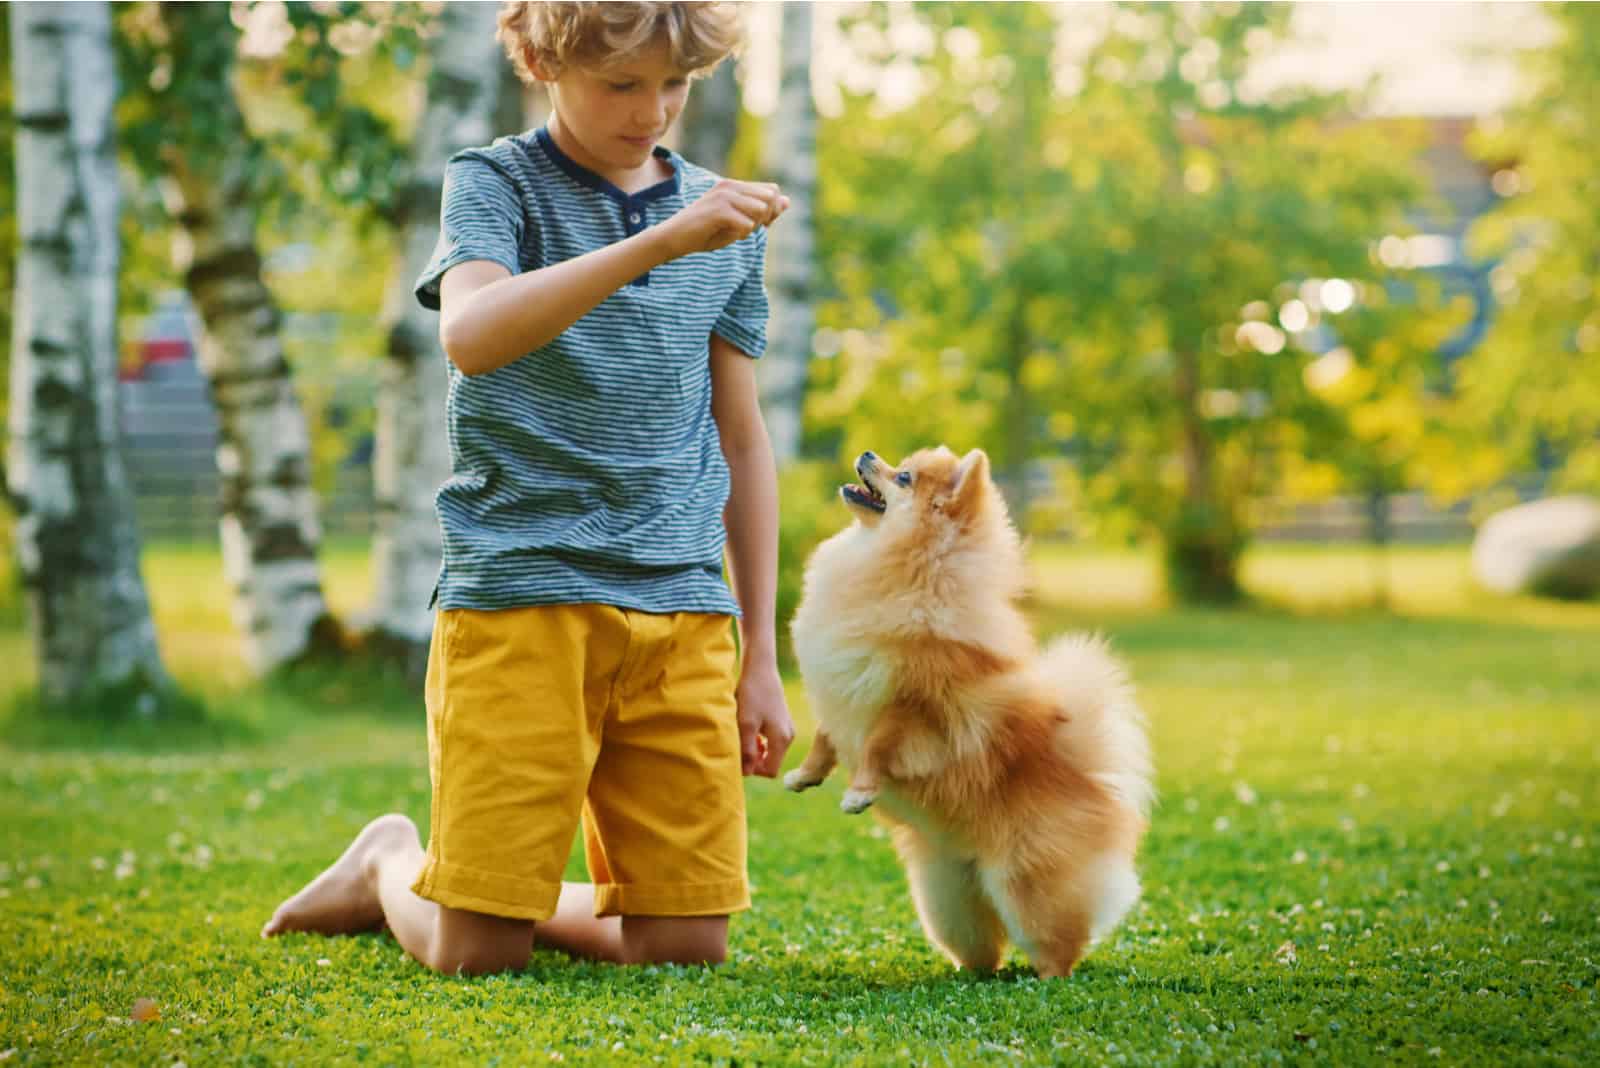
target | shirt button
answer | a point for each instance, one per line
(634, 218)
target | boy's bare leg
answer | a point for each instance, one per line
(370, 885)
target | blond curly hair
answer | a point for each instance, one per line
(555, 36)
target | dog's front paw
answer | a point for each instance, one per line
(855, 801)
(798, 780)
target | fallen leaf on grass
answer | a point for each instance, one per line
(144, 1011)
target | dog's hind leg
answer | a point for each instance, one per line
(950, 900)
(1050, 914)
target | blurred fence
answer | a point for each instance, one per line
(169, 439)
(169, 431)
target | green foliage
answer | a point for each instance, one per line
(1533, 387)
(1098, 272)
(1375, 842)
(1379, 418)
(310, 137)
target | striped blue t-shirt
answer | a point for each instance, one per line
(590, 470)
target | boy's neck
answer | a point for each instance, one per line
(630, 181)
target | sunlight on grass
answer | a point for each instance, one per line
(1375, 840)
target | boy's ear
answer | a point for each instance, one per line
(536, 67)
(971, 475)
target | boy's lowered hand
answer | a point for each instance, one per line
(730, 212)
(765, 729)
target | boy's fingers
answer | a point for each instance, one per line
(749, 748)
(775, 752)
(753, 208)
(767, 767)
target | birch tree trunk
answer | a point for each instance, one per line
(468, 97)
(76, 539)
(269, 528)
(791, 160)
(710, 121)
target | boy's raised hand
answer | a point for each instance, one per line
(730, 212)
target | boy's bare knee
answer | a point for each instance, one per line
(469, 943)
(675, 939)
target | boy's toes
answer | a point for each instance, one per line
(856, 801)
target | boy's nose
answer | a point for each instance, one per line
(653, 114)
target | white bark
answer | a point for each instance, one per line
(75, 535)
(269, 528)
(466, 92)
(791, 160)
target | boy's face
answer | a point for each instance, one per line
(614, 116)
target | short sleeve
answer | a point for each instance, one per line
(743, 322)
(481, 218)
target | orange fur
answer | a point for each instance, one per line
(1016, 782)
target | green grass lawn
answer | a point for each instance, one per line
(1377, 840)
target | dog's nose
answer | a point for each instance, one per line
(867, 459)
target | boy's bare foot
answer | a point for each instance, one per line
(344, 899)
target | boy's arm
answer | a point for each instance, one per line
(751, 518)
(490, 317)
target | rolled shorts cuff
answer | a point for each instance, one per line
(671, 899)
(458, 887)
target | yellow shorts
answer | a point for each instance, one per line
(539, 715)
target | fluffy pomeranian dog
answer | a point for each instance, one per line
(1016, 783)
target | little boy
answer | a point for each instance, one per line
(602, 306)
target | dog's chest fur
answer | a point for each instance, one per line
(848, 685)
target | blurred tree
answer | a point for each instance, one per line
(931, 217)
(8, 217)
(269, 525)
(1098, 251)
(710, 120)
(1376, 417)
(78, 546)
(467, 93)
(229, 178)
(1533, 385)
(791, 162)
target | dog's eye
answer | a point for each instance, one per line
(903, 478)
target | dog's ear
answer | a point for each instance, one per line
(967, 488)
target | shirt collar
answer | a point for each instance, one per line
(584, 176)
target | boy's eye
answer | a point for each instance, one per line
(903, 478)
(621, 87)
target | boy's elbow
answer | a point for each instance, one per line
(459, 350)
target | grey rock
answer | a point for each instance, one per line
(1549, 547)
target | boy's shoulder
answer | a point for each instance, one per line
(508, 154)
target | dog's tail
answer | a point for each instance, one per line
(1105, 725)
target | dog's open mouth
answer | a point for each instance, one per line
(864, 496)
